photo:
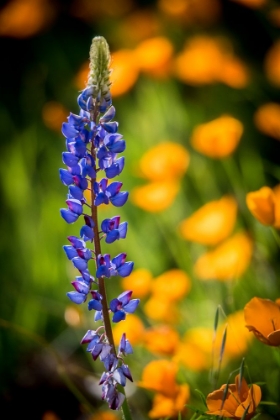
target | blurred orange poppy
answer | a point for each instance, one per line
(139, 281)
(195, 350)
(192, 12)
(212, 60)
(234, 400)
(155, 196)
(161, 340)
(254, 4)
(167, 407)
(226, 262)
(161, 310)
(165, 161)
(132, 326)
(212, 223)
(104, 415)
(238, 337)
(54, 114)
(171, 285)
(267, 119)
(262, 317)
(272, 64)
(125, 71)
(24, 18)
(217, 138)
(160, 376)
(154, 55)
(264, 205)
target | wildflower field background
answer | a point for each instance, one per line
(196, 87)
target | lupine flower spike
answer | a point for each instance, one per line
(93, 144)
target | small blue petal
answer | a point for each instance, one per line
(79, 263)
(123, 230)
(120, 199)
(110, 127)
(76, 192)
(68, 215)
(86, 233)
(81, 286)
(112, 236)
(119, 316)
(75, 206)
(131, 306)
(114, 305)
(69, 159)
(94, 304)
(98, 316)
(119, 376)
(125, 297)
(125, 269)
(69, 131)
(77, 297)
(70, 252)
(65, 177)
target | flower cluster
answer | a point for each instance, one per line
(93, 145)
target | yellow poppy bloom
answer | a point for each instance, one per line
(226, 262)
(217, 138)
(212, 223)
(238, 400)
(262, 317)
(264, 205)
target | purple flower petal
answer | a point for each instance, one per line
(75, 206)
(108, 116)
(65, 177)
(119, 376)
(69, 131)
(70, 251)
(81, 286)
(94, 304)
(79, 263)
(90, 334)
(86, 233)
(69, 159)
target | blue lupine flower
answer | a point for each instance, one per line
(92, 145)
(124, 346)
(95, 302)
(113, 229)
(103, 265)
(123, 304)
(119, 267)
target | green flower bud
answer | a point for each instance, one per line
(99, 75)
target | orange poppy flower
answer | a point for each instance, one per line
(262, 317)
(139, 281)
(165, 161)
(239, 399)
(160, 376)
(164, 406)
(161, 340)
(132, 326)
(171, 285)
(212, 223)
(254, 4)
(54, 114)
(226, 262)
(267, 119)
(25, 18)
(218, 138)
(154, 55)
(264, 205)
(195, 350)
(155, 196)
(162, 310)
(235, 73)
(272, 64)
(124, 72)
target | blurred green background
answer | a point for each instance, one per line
(44, 45)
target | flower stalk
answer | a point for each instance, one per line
(93, 145)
